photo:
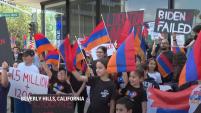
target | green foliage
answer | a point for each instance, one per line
(17, 26)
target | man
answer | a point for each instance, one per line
(27, 64)
(167, 57)
(4, 87)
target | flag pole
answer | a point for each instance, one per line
(107, 31)
(83, 54)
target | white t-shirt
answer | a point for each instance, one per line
(31, 68)
(156, 76)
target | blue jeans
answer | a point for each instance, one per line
(22, 107)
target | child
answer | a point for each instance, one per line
(102, 92)
(124, 105)
(4, 87)
(135, 91)
(153, 71)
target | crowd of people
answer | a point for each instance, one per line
(124, 92)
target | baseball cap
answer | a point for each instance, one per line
(28, 52)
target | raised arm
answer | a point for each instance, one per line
(4, 78)
(79, 77)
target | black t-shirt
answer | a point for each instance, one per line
(57, 85)
(101, 93)
(138, 95)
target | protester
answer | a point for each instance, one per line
(101, 52)
(102, 92)
(21, 106)
(167, 58)
(124, 105)
(134, 90)
(4, 87)
(153, 70)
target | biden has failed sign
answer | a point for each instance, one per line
(174, 21)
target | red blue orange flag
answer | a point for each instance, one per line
(124, 58)
(53, 57)
(42, 43)
(124, 32)
(66, 52)
(165, 66)
(169, 102)
(143, 49)
(77, 56)
(98, 36)
(177, 50)
(192, 69)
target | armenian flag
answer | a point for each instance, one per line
(77, 56)
(177, 50)
(98, 36)
(66, 52)
(143, 49)
(192, 69)
(165, 67)
(42, 43)
(124, 58)
(169, 102)
(125, 32)
(53, 57)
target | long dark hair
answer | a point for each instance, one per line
(156, 68)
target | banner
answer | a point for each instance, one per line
(110, 50)
(186, 101)
(5, 44)
(23, 83)
(115, 21)
(52, 103)
(174, 20)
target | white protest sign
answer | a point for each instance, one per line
(110, 50)
(25, 83)
(180, 40)
(154, 35)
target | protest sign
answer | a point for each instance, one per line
(24, 83)
(110, 50)
(174, 20)
(151, 34)
(5, 45)
(52, 104)
(180, 40)
(115, 22)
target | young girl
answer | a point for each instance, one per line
(102, 92)
(153, 71)
(134, 90)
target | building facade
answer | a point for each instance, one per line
(79, 17)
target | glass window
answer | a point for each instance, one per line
(82, 17)
(55, 22)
